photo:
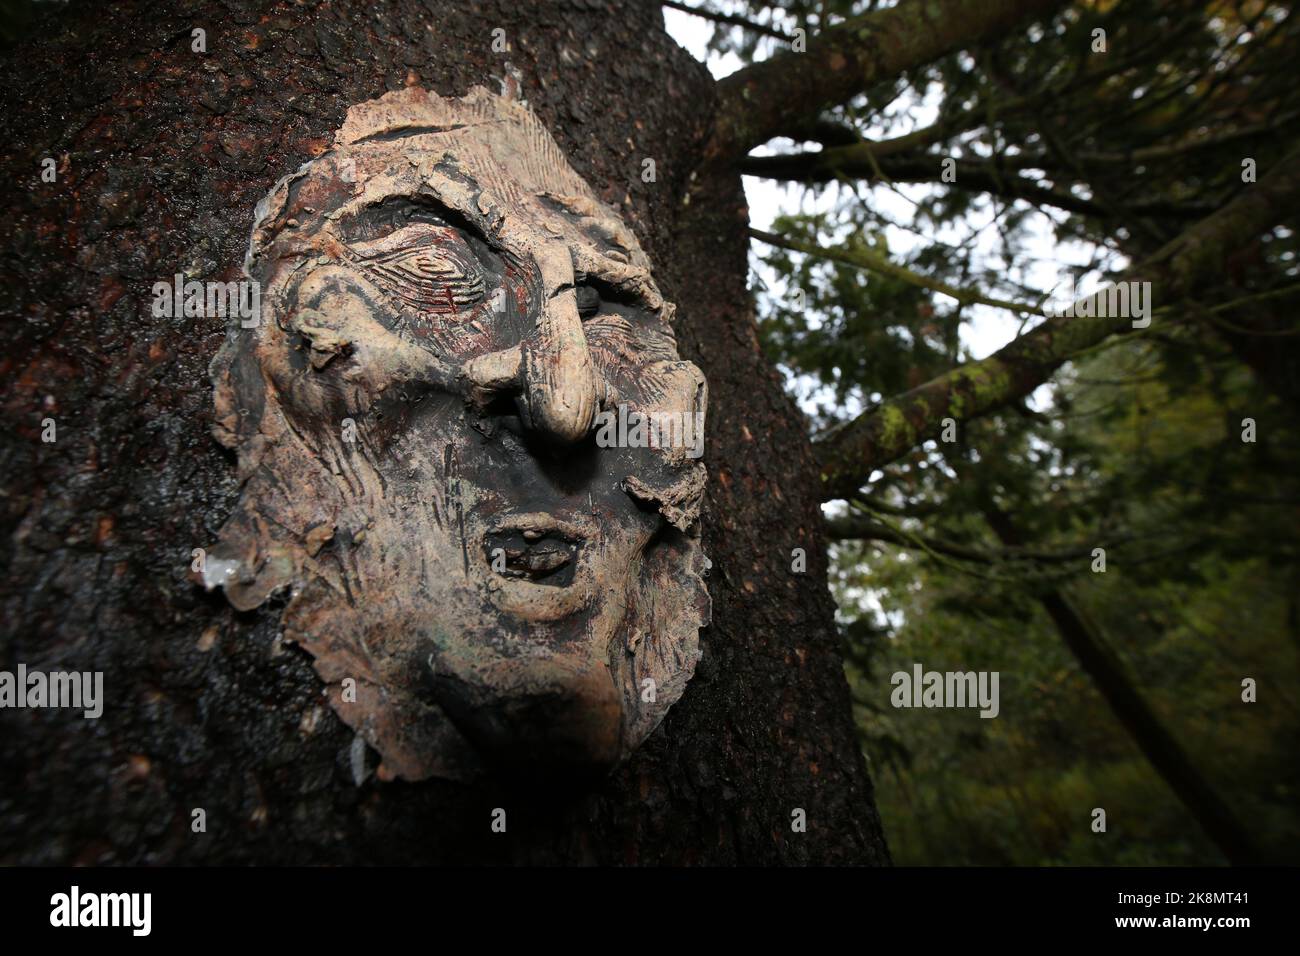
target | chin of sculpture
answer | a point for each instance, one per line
(448, 314)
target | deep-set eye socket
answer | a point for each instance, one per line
(588, 298)
(415, 256)
(429, 275)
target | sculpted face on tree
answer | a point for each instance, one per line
(447, 313)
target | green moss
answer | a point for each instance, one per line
(895, 430)
(978, 387)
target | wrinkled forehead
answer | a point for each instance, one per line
(484, 164)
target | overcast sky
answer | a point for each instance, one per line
(987, 329)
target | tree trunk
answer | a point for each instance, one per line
(1130, 707)
(161, 154)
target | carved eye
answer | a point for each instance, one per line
(416, 256)
(429, 268)
(596, 296)
(429, 279)
(588, 301)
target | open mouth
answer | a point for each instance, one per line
(536, 548)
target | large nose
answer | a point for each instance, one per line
(559, 378)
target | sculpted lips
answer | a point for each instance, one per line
(538, 548)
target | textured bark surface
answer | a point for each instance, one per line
(162, 154)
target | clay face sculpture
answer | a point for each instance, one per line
(448, 316)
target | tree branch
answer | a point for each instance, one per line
(863, 162)
(863, 528)
(891, 429)
(881, 265)
(730, 19)
(768, 98)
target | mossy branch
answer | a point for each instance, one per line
(888, 431)
(769, 98)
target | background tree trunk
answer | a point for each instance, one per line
(162, 153)
(1131, 708)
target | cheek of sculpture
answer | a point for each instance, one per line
(480, 584)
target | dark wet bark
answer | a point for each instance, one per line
(162, 153)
